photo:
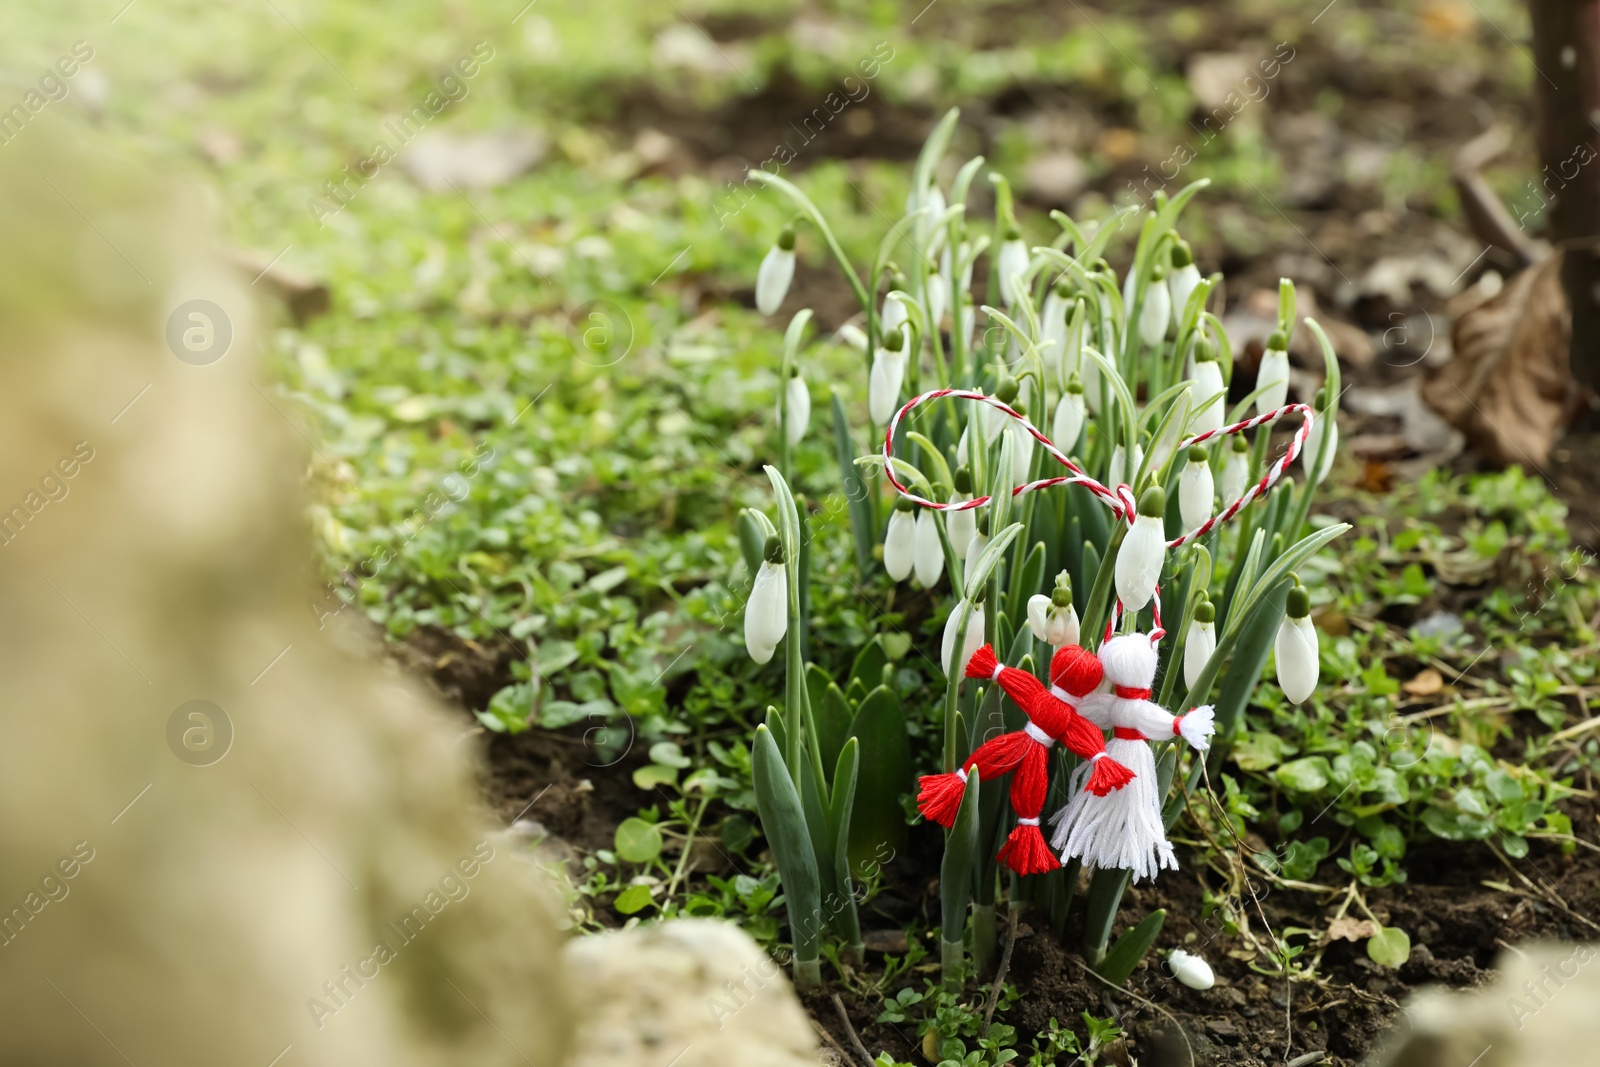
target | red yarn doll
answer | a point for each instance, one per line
(1052, 716)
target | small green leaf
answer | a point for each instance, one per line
(653, 774)
(633, 899)
(1131, 947)
(1390, 946)
(1308, 774)
(638, 841)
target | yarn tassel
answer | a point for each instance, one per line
(939, 797)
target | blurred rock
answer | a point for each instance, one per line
(439, 161)
(237, 834)
(1214, 75)
(1537, 1011)
(690, 992)
(1054, 178)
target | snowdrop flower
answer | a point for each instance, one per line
(1200, 643)
(1157, 309)
(961, 446)
(893, 315)
(900, 541)
(1191, 970)
(1069, 417)
(960, 526)
(1053, 330)
(777, 271)
(1022, 448)
(1316, 462)
(1236, 470)
(1143, 551)
(766, 613)
(953, 667)
(1120, 471)
(937, 294)
(888, 374)
(851, 335)
(1206, 374)
(1012, 263)
(928, 556)
(1196, 488)
(1182, 280)
(975, 547)
(1296, 647)
(797, 399)
(1273, 374)
(1053, 619)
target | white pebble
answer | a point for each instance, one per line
(1191, 970)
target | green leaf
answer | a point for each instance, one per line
(955, 870)
(1258, 750)
(1131, 947)
(637, 841)
(633, 899)
(1309, 774)
(857, 497)
(840, 815)
(653, 774)
(778, 804)
(1390, 946)
(878, 821)
(869, 664)
(1105, 894)
(668, 754)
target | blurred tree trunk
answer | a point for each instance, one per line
(1566, 56)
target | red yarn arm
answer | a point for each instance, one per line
(998, 755)
(1082, 737)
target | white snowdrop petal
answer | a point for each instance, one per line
(1274, 374)
(929, 554)
(1207, 380)
(959, 526)
(1191, 970)
(798, 398)
(883, 384)
(1196, 489)
(1139, 562)
(766, 613)
(1155, 313)
(1296, 653)
(772, 280)
(1068, 422)
(1315, 462)
(1197, 649)
(1012, 262)
(1022, 453)
(900, 545)
(1181, 285)
(1039, 616)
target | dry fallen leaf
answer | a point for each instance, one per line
(1424, 684)
(1345, 928)
(1509, 388)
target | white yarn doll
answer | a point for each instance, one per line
(1124, 828)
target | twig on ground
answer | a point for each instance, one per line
(850, 1029)
(1000, 972)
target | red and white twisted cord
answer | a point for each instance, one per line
(1120, 499)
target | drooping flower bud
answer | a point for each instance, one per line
(1316, 462)
(1182, 280)
(953, 666)
(1196, 489)
(929, 554)
(1022, 447)
(1143, 551)
(1053, 330)
(900, 540)
(1207, 378)
(1053, 619)
(1121, 470)
(1200, 642)
(893, 316)
(1012, 263)
(1069, 417)
(851, 335)
(887, 376)
(766, 613)
(938, 298)
(1273, 374)
(777, 271)
(975, 547)
(1157, 309)
(797, 398)
(1191, 970)
(1236, 470)
(1296, 647)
